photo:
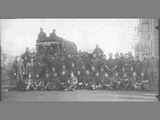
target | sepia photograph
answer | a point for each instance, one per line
(79, 60)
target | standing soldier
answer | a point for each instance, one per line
(116, 63)
(110, 60)
(93, 77)
(97, 79)
(138, 67)
(64, 77)
(150, 71)
(87, 78)
(82, 76)
(110, 64)
(80, 82)
(53, 79)
(20, 75)
(47, 79)
(101, 76)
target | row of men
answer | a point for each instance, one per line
(121, 74)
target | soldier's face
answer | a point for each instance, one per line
(53, 69)
(125, 75)
(37, 75)
(87, 72)
(73, 65)
(93, 68)
(97, 74)
(29, 75)
(94, 55)
(72, 74)
(106, 75)
(83, 67)
(116, 74)
(63, 66)
(63, 73)
(69, 56)
(55, 75)
(134, 74)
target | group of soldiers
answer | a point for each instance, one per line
(84, 71)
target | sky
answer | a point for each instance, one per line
(112, 35)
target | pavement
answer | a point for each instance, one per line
(79, 96)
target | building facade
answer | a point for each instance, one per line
(148, 44)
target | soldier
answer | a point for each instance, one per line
(97, 79)
(110, 64)
(116, 81)
(125, 81)
(80, 82)
(64, 77)
(144, 82)
(29, 83)
(72, 82)
(53, 35)
(106, 81)
(138, 66)
(134, 80)
(55, 77)
(87, 78)
(93, 78)
(47, 80)
(101, 76)
(42, 35)
(116, 63)
(53, 82)
(150, 71)
(37, 83)
(145, 65)
(83, 73)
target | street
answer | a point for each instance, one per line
(78, 96)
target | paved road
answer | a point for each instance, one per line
(79, 95)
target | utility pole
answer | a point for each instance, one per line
(158, 28)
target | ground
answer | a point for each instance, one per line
(79, 95)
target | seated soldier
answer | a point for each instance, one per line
(106, 81)
(72, 82)
(29, 83)
(125, 81)
(116, 81)
(36, 83)
(138, 83)
(133, 80)
(145, 83)
(80, 82)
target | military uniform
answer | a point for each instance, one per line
(138, 67)
(64, 77)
